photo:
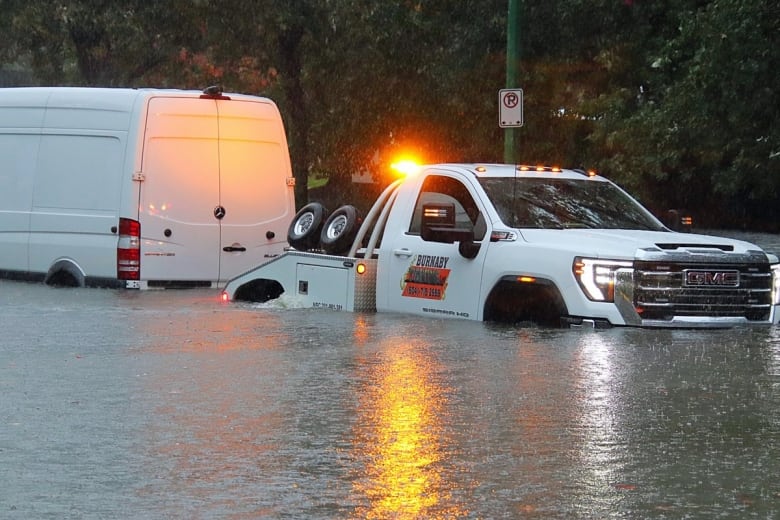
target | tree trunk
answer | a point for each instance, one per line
(299, 123)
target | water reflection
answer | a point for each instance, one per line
(166, 405)
(209, 326)
(399, 436)
(773, 344)
(531, 437)
(601, 449)
(216, 411)
(361, 330)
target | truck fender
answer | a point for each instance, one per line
(304, 231)
(514, 299)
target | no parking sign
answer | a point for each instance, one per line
(510, 107)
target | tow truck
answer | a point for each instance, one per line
(493, 242)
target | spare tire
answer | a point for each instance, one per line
(304, 231)
(340, 230)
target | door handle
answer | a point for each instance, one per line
(234, 249)
(402, 252)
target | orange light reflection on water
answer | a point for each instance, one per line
(399, 438)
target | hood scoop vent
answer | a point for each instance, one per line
(675, 245)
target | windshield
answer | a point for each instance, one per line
(565, 203)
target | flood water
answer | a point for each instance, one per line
(171, 404)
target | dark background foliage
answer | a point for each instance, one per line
(676, 100)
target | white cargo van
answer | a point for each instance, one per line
(140, 188)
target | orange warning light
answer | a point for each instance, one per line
(406, 167)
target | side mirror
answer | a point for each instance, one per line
(678, 220)
(438, 225)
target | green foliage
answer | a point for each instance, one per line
(701, 132)
(675, 99)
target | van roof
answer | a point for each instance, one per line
(121, 99)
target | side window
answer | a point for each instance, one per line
(438, 188)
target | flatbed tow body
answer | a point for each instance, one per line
(317, 280)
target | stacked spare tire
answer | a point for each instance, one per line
(314, 229)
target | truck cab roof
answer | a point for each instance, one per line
(480, 170)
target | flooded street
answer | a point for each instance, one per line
(173, 405)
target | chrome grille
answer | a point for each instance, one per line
(660, 291)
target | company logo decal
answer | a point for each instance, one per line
(426, 277)
(694, 278)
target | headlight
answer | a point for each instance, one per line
(597, 277)
(776, 284)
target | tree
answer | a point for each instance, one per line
(93, 42)
(672, 98)
(695, 127)
(414, 76)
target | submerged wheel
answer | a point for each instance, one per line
(340, 230)
(304, 231)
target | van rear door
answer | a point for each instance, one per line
(180, 192)
(254, 167)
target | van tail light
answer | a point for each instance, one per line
(128, 250)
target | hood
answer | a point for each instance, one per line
(623, 243)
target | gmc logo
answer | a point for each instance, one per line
(710, 278)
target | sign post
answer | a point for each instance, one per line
(512, 61)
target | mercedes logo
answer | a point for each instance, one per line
(219, 212)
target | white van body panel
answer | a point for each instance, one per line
(255, 163)
(180, 137)
(76, 160)
(22, 116)
(78, 180)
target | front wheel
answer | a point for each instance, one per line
(304, 231)
(340, 230)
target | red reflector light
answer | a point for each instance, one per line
(128, 250)
(129, 227)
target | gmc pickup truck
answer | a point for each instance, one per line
(516, 244)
